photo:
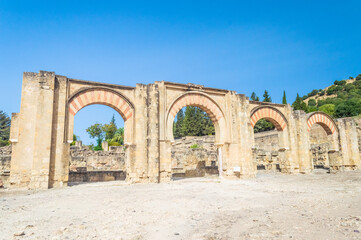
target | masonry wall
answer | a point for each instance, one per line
(202, 160)
(194, 157)
(42, 130)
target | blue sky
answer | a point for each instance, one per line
(244, 46)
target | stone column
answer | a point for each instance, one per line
(105, 146)
(165, 144)
(60, 147)
(246, 139)
(153, 132)
(137, 170)
(349, 143)
(302, 142)
(220, 159)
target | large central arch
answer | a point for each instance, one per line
(204, 102)
(103, 96)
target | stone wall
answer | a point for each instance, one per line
(5, 159)
(188, 161)
(85, 165)
(82, 157)
(194, 157)
(93, 166)
(266, 151)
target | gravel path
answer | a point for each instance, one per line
(271, 206)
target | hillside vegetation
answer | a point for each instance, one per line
(342, 99)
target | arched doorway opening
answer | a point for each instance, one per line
(106, 158)
(269, 128)
(196, 156)
(323, 141)
(97, 153)
(194, 153)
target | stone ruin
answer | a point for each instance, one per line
(43, 129)
(191, 157)
(92, 166)
(194, 157)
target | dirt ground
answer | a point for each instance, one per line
(271, 206)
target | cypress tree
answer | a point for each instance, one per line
(189, 127)
(113, 121)
(254, 97)
(299, 104)
(284, 100)
(178, 124)
(195, 123)
(4, 129)
(266, 97)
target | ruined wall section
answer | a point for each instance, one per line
(5, 160)
(35, 125)
(194, 157)
(84, 159)
(349, 147)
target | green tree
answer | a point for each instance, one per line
(109, 130)
(178, 124)
(328, 109)
(348, 108)
(266, 97)
(189, 126)
(205, 125)
(4, 129)
(284, 99)
(311, 109)
(75, 138)
(331, 90)
(312, 102)
(358, 77)
(263, 125)
(313, 93)
(118, 138)
(341, 83)
(254, 97)
(196, 123)
(96, 131)
(298, 104)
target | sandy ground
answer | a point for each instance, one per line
(271, 206)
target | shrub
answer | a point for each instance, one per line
(195, 146)
(98, 148)
(358, 77)
(313, 93)
(331, 90)
(340, 83)
(348, 108)
(311, 109)
(312, 102)
(349, 87)
(328, 109)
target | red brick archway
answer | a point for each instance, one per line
(270, 114)
(106, 97)
(205, 103)
(101, 96)
(322, 119)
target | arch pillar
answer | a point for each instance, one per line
(39, 132)
(301, 151)
(349, 156)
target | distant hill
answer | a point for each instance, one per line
(342, 99)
